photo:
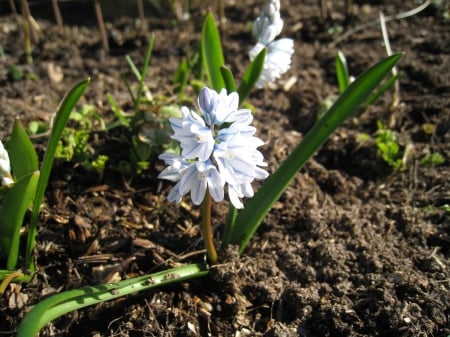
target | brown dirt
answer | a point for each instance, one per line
(352, 248)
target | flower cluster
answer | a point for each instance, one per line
(279, 52)
(218, 148)
(5, 166)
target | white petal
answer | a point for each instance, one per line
(233, 194)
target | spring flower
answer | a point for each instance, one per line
(218, 148)
(194, 136)
(277, 62)
(279, 52)
(5, 166)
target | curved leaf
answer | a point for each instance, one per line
(59, 124)
(65, 302)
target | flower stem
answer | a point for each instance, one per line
(207, 229)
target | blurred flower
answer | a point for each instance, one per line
(217, 148)
(269, 24)
(5, 166)
(279, 52)
(277, 62)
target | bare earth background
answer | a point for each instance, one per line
(351, 249)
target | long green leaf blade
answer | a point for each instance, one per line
(212, 54)
(256, 209)
(63, 303)
(21, 152)
(15, 204)
(59, 124)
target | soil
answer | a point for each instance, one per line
(352, 248)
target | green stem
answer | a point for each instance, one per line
(207, 229)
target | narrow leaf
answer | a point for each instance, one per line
(252, 75)
(181, 77)
(256, 209)
(143, 74)
(212, 53)
(342, 73)
(386, 86)
(15, 204)
(59, 124)
(21, 152)
(228, 78)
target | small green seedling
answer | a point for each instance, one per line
(74, 143)
(432, 160)
(388, 147)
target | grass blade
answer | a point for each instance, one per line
(256, 208)
(59, 124)
(143, 74)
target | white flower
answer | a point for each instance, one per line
(218, 149)
(278, 58)
(194, 136)
(237, 156)
(277, 62)
(192, 177)
(219, 108)
(5, 166)
(266, 29)
(235, 192)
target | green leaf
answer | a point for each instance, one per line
(433, 159)
(389, 83)
(252, 75)
(143, 74)
(59, 124)
(181, 77)
(212, 53)
(228, 78)
(12, 213)
(121, 118)
(256, 208)
(22, 154)
(65, 302)
(342, 75)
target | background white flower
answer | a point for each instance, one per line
(279, 52)
(277, 62)
(5, 166)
